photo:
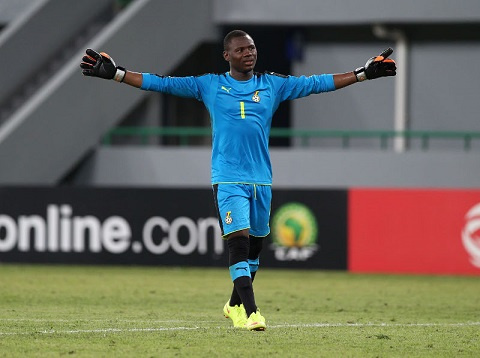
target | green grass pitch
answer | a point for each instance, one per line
(91, 311)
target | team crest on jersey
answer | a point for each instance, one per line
(256, 97)
(228, 218)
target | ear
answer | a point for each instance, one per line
(226, 56)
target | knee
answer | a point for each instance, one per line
(238, 248)
(256, 246)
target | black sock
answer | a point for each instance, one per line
(235, 299)
(255, 247)
(243, 287)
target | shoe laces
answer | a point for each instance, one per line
(256, 315)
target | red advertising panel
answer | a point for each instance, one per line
(414, 231)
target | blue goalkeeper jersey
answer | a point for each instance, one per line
(241, 116)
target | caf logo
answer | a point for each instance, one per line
(471, 235)
(294, 232)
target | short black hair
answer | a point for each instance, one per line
(232, 34)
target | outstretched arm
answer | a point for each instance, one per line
(344, 79)
(102, 65)
(378, 66)
(133, 79)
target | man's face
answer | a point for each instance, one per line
(241, 54)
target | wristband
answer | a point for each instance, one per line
(120, 74)
(360, 74)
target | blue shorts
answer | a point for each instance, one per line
(243, 206)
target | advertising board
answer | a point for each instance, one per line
(414, 231)
(162, 227)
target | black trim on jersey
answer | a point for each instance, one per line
(215, 200)
(203, 74)
(257, 74)
(275, 74)
(211, 73)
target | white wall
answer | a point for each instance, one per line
(443, 90)
(306, 168)
(306, 12)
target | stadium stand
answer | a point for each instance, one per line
(53, 126)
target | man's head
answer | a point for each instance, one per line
(240, 52)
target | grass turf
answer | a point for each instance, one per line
(90, 311)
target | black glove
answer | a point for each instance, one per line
(379, 66)
(101, 65)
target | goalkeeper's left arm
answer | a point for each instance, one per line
(376, 67)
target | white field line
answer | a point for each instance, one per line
(64, 320)
(312, 325)
(102, 330)
(181, 328)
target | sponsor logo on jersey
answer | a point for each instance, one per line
(226, 89)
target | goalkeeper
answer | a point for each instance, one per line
(241, 104)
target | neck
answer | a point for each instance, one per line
(241, 76)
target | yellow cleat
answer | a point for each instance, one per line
(256, 322)
(236, 313)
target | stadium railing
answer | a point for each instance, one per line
(305, 135)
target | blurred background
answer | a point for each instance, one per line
(413, 139)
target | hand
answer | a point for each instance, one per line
(379, 66)
(101, 65)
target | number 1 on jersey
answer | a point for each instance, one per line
(242, 109)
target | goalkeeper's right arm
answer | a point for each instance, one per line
(102, 65)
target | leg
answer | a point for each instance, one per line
(233, 202)
(240, 272)
(259, 218)
(238, 246)
(233, 210)
(256, 245)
